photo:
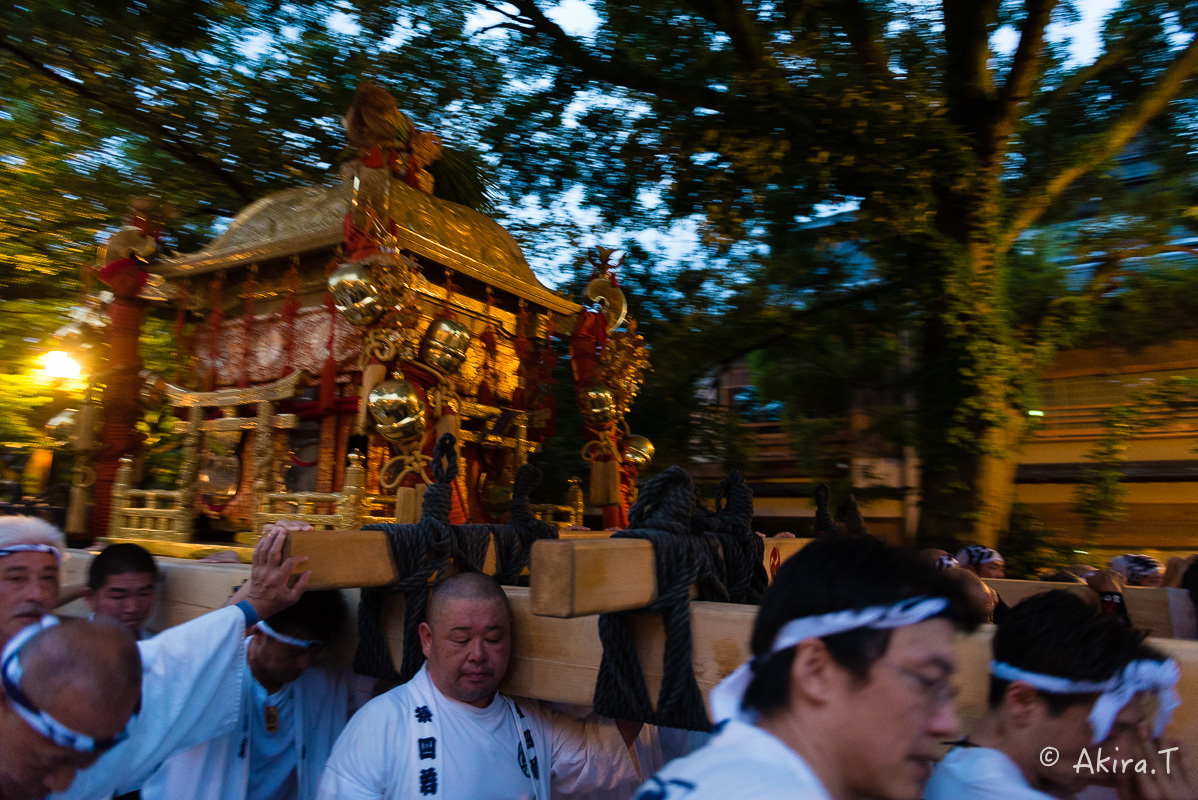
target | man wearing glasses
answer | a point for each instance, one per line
(1066, 687)
(848, 695)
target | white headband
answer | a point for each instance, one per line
(727, 697)
(13, 549)
(1159, 677)
(285, 639)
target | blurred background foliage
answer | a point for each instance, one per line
(864, 198)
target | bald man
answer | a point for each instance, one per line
(67, 692)
(191, 683)
(449, 732)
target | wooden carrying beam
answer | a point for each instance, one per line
(558, 659)
(1162, 612)
(574, 578)
(362, 559)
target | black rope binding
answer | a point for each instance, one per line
(744, 563)
(824, 524)
(423, 550)
(419, 552)
(848, 513)
(662, 515)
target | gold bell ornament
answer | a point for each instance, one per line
(445, 345)
(355, 294)
(638, 450)
(398, 410)
(598, 405)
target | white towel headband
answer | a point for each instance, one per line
(1159, 677)
(285, 639)
(727, 697)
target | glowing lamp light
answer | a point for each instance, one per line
(60, 366)
(1035, 413)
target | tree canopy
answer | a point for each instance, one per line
(743, 119)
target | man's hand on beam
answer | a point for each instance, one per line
(269, 589)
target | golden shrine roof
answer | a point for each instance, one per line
(310, 218)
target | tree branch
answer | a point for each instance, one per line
(616, 71)
(967, 81)
(1036, 200)
(1022, 75)
(853, 17)
(1116, 53)
(731, 17)
(799, 314)
(174, 144)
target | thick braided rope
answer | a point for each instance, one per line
(662, 515)
(824, 524)
(419, 552)
(513, 542)
(744, 565)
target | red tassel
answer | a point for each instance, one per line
(182, 343)
(247, 327)
(288, 312)
(328, 376)
(215, 320)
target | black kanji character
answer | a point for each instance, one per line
(521, 760)
(656, 789)
(428, 747)
(423, 714)
(428, 781)
(528, 740)
(532, 763)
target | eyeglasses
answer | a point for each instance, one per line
(936, 692)
(40, 721)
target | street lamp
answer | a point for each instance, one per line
(59, 366)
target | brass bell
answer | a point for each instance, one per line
(397, 409)
(638, 450)
(445, 345)
(598, 405)
(355, 294)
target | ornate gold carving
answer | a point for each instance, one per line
(622, 367)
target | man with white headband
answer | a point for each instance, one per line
(1066, 678)
(1139, 570)
(30, 552)
(848, 694)
(190, 673)
(450, 733)
(67, 692)
(292, 710)
(985, 562)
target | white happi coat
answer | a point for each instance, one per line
(742, 762)
(979, 773)
(395, 749)
(323, 699)
(190, 692)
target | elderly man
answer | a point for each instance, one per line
(67, 692)
(292, 710)
(30, 551)
(449, 733)
(191, 684)
(849, 692)
(1065, 681)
